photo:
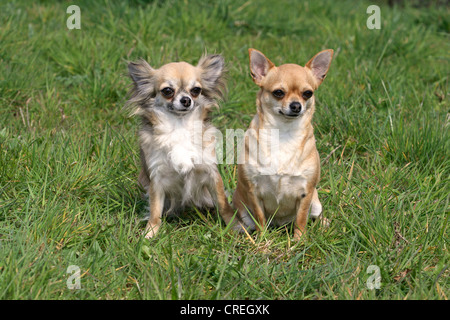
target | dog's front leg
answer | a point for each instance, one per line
(156, 201)
(249, 206)
(225, 210)
(257, 211)
(302, 213)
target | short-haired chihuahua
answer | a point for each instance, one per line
(285, 102)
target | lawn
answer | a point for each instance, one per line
(69, 155)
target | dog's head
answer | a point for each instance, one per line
(178, 87)
(288, 90)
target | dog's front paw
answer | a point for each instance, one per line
(324, 221)
(243, 226)
(149, 235)
(298, 234)
(248, 222)
(238, 227)
(151, 231)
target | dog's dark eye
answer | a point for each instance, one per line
(167, 92)
(196, 91)
(307, 94)
(278, 93)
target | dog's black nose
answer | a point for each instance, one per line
(185, 101)
(295, 107)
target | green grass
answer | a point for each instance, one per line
(69, 155)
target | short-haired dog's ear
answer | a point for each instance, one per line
(212, 75)
(259, 65)
(319, 65)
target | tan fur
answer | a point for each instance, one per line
(289, 192)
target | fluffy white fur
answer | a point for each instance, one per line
(179, 167)
(176, 159)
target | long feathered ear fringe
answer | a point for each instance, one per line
(142, 90)
(213, 76)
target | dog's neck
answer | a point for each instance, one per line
(164, 122)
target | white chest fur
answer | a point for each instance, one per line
(177, 160)
(278, 172)
(177, 143)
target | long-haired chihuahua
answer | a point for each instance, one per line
(179, 165)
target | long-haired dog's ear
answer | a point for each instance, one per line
(213, 75)
(142, 75)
